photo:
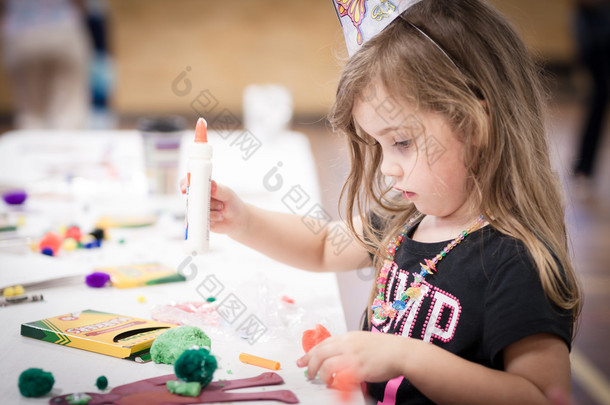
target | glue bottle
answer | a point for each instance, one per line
(198, 186)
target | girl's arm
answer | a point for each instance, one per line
(533, 366)
(285, 237)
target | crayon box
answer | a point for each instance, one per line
(100, 332)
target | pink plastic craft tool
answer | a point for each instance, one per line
(153, 391)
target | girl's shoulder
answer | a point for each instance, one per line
(498, 243)
(498, 250)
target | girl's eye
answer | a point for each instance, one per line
(403, 144)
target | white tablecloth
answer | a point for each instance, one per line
(74, 178)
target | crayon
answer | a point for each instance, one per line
(20, 300)
(259, 361)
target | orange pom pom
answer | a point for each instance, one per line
(50, 240)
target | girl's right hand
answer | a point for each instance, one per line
(228, 213)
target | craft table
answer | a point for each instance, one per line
(76, 177)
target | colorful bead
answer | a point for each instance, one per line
(430, 264)
(413, 292)
(399, 305)
(425, 269)
(383, 310)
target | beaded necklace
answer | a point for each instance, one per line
(381, 309)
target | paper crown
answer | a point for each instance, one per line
(361, 20)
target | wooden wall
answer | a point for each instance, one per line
(223, 46)
(227, 45)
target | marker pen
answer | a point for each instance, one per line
(198, 187)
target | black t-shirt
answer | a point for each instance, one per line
(485, 295)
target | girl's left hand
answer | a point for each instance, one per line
(364, 356)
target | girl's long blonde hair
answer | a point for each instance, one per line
(487, 87)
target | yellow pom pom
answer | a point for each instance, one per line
(69, 244)
(61, 230)
(18, 290)
(8, 292)
(141, 299)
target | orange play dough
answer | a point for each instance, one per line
(312, 337)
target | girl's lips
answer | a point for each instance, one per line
(407, 195)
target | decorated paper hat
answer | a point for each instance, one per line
(363, 19)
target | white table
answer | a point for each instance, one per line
(76, 177)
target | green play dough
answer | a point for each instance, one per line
(188, 389)
(172, 343)
(79, 398)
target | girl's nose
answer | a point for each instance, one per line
(390, 168)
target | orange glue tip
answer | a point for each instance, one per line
(259, 361)
(201, 131)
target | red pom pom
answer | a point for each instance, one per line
(74, 233)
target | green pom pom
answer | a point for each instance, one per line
(168, 346)
(196, 365)
(101, 383)
(35, 382)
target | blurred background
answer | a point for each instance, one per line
(223, 48)
(123, 60)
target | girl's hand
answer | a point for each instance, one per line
(363, 356)
(228, 213)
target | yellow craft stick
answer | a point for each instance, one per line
(259, 361)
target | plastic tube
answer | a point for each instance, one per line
(199, 181)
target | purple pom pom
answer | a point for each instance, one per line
(15, 197)
(97, 279)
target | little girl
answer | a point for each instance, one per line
(452, 197)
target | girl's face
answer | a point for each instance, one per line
(421, 154)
